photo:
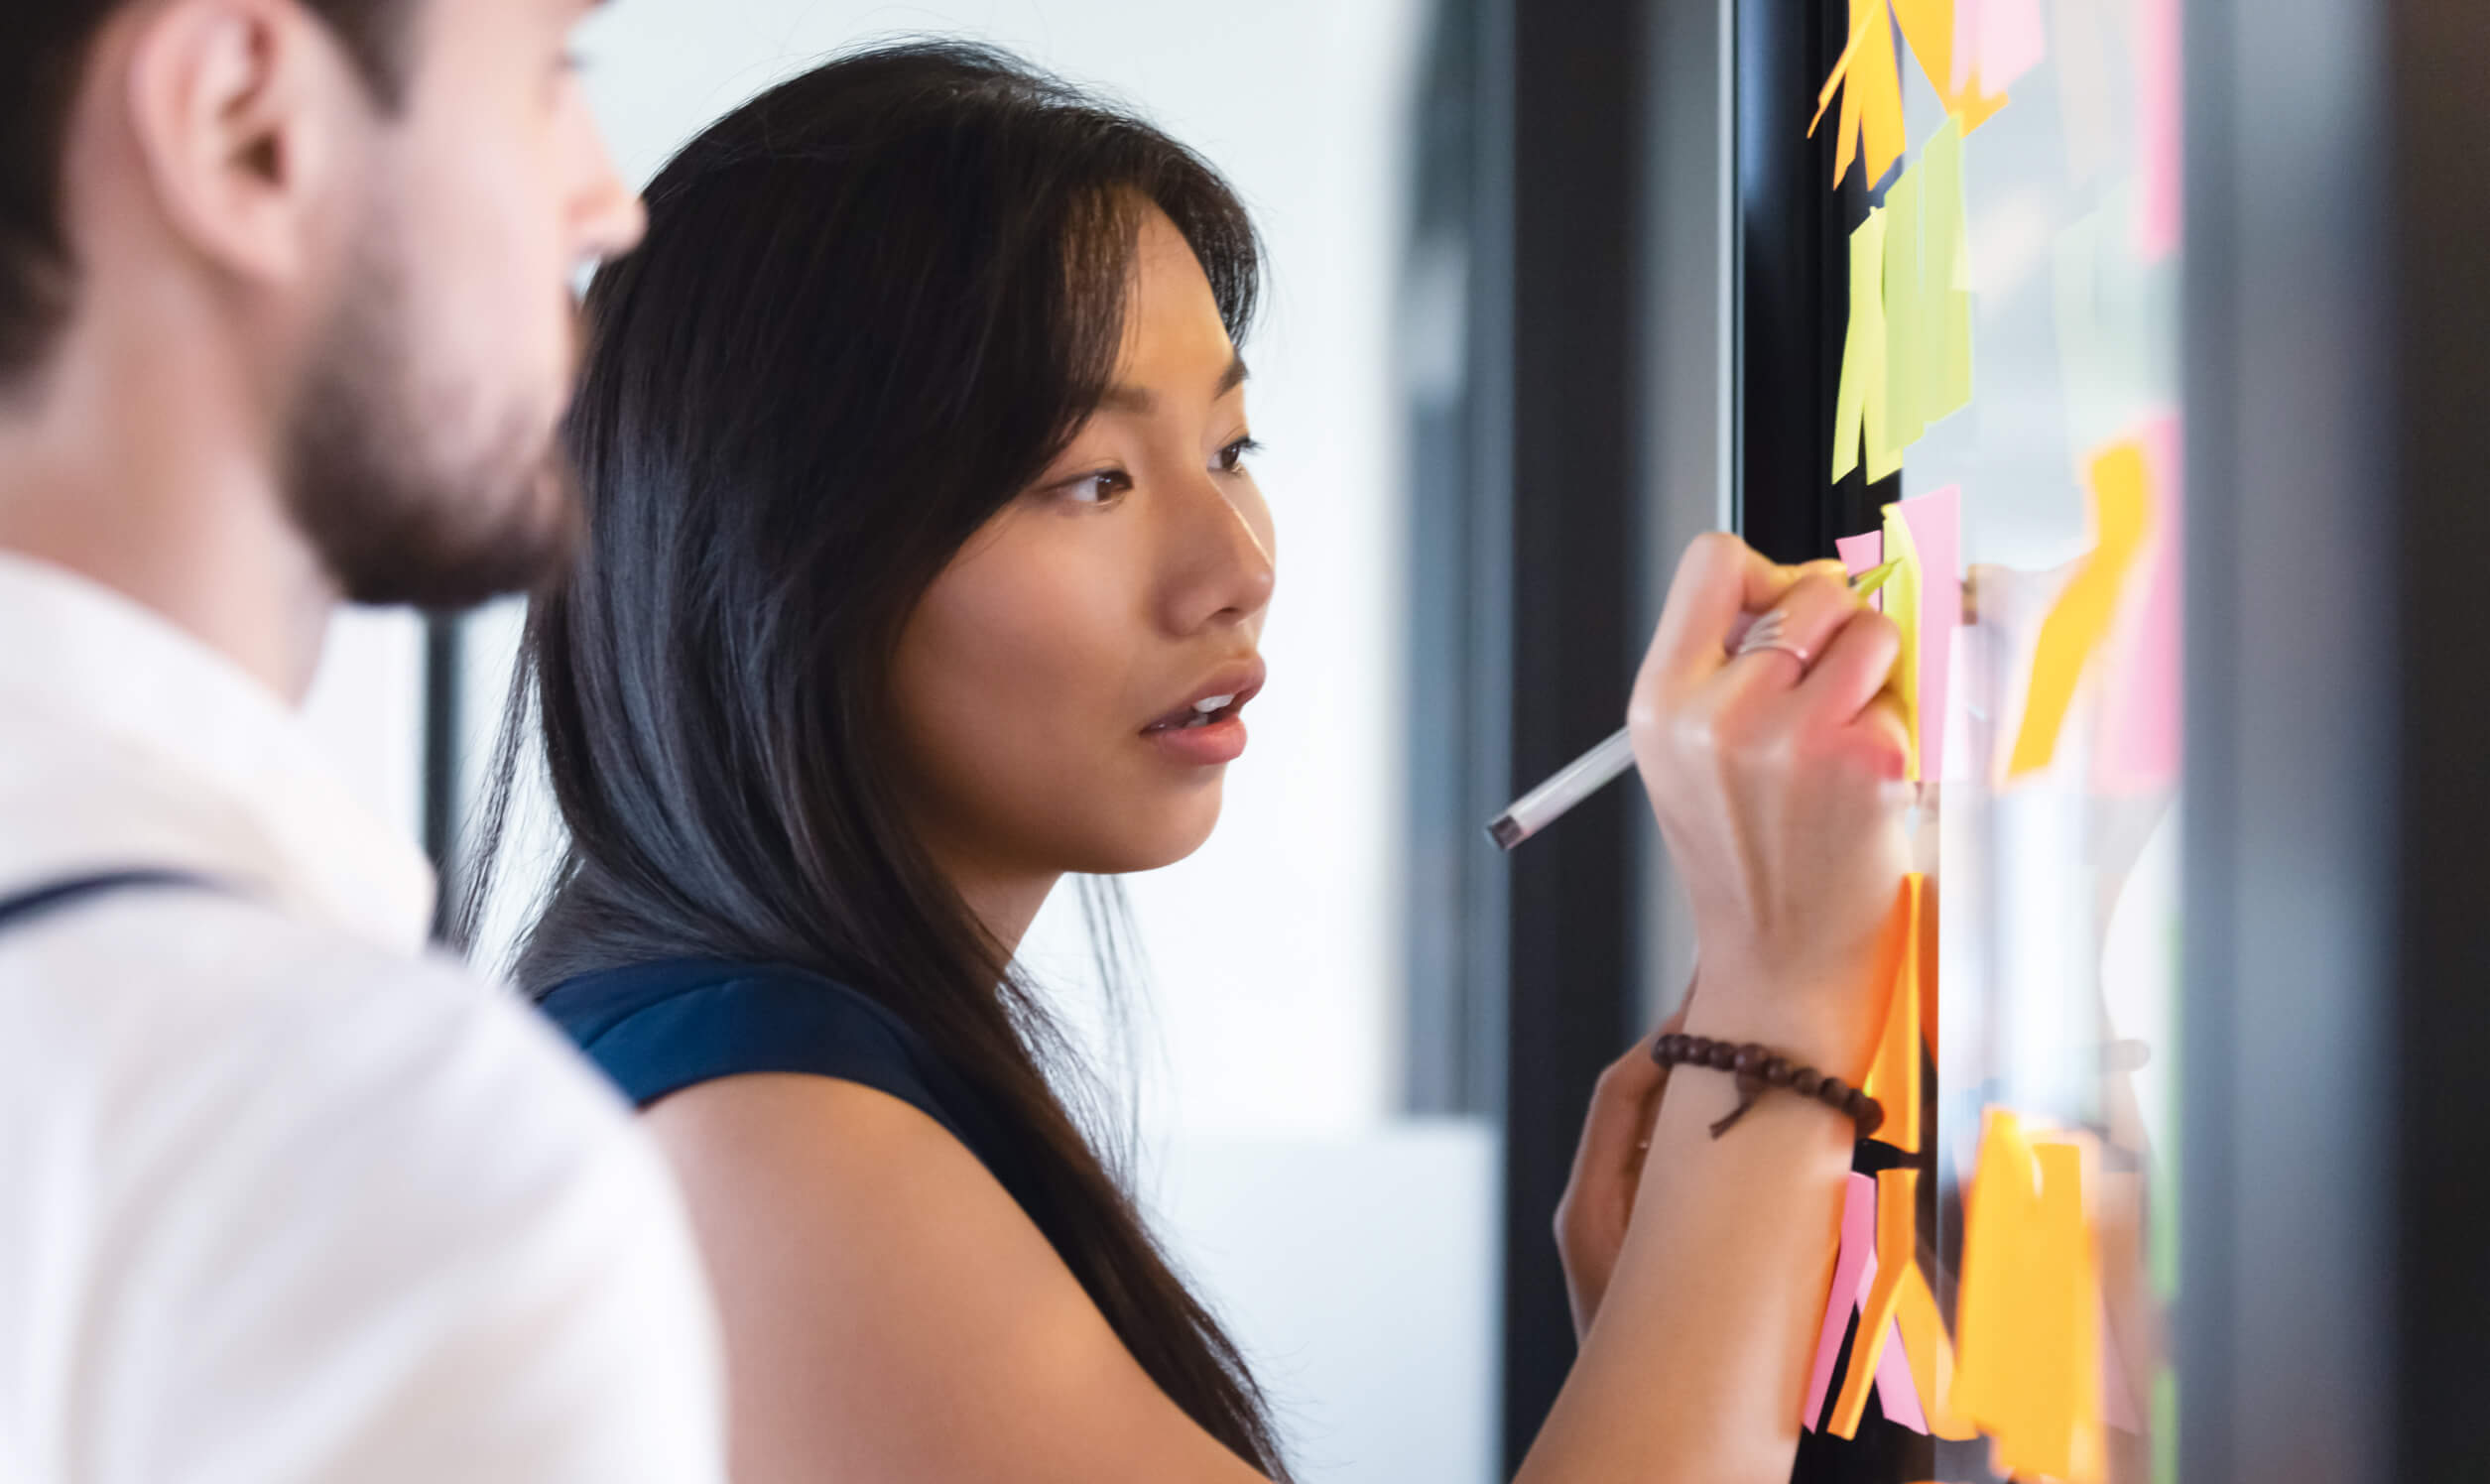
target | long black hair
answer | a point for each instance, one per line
(872, 304)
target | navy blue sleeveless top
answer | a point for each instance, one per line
(659, 1028)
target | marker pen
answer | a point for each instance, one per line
(1601, 765)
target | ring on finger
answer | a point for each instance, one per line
(1770, 633)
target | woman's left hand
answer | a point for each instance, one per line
(1607, 1169)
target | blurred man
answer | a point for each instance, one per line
(284, 319)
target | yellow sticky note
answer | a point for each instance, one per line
(1859, 405)
(1869, 78)
(1897, 1254)
(2058, 1403)
(1906, 316)
(1946, 276)
(1893, 1079)
(2082, 617)
(1902, 605)
(1996, 1215)
(2028, 1367)
(1928, 26)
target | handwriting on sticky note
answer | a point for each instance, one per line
(2082, 617)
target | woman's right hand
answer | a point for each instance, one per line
(1778, 780)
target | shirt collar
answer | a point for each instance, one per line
(131, 743)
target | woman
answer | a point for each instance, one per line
(925, 567)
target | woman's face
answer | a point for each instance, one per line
(1068, 688)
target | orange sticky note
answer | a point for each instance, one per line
(1930, 1355)
(2082, 615)
(1928, 27)
(1893, 1079)
(1897, 1253)
(1869, 79)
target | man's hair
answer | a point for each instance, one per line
(45, 45)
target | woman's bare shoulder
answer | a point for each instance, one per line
(890, 1309)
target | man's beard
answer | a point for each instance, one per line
(397, 514)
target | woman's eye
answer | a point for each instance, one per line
(1232, 457)
(1099, 488)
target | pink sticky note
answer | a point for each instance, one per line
(2118, 1398)
(1863, 553)
(1936, 523)
(2143, 726)
(2011, 41)
(1853, 1270)
(1895, 1392)
(2158, 132)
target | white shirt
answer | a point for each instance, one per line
(282, 1198)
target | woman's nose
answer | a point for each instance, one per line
(1222, 568)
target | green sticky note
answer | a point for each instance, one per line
(1945, 280)
(1859, 410)
(1906, 314)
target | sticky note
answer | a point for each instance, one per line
(1901, 590)
(1929, 27)
(1963, 55)
(2118, 1397)
(2011, 40)
(2158, 131)
(1905, 318)
(1893, 1079)
(2085, 109)
(2029, 1365)
(1896, 1390)
(1996, 1221)
(2142, 729)
(1934, 523)
(2082, 617)
(1855, 1259)
(1897, 1252)
(1869, 78)
(1944, 277)
(1931, 1356)
(1862, 553)
(1859, 405)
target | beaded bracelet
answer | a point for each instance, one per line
(1758, 1067)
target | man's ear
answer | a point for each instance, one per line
(242, 113)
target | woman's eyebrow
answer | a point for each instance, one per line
(1141, 399)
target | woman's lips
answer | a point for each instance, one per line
(1202, 746)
